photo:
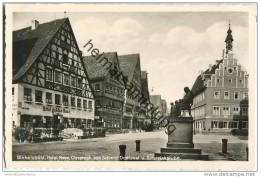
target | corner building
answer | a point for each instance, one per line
(50, 83)
(108, 89)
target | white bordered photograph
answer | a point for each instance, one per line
(139, 87)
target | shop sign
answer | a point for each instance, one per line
(47, 108)
(57, 109)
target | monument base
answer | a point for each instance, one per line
(180, 141)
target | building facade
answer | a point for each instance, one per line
(50, 83)
(108, 89)
(134, 116)
(157, 101)
(220, 102)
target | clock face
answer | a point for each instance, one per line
(230, 70)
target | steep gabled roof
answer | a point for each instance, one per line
(128, 64)
(28, 45)
(96, 68)
(198, 85)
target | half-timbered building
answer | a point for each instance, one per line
(107, 83)
(50, 83)
(134, 116)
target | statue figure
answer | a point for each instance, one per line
(187, 100)
(180, 106)
(176, 109)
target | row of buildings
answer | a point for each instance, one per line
(53, 83)
(220, 102)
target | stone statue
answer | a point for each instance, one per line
(176, 109)
(187, 100)
(182, 105)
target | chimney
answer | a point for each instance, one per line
(35, 24)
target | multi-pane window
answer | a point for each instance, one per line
(85, 106)
(233, 125)
(90, 104)
(72, 101)
(214, 124)
(65, 100)
(57, 99)
(226, 95)
(66, 80)
(48, 74)
(57, 76)
(226, 110)
(236, 95)
(244, 125)
(244, 111)
(65, 57)
(236, 110)
(48, 98)
(216, 110)
(217, 94)
(225, 124)
(220, 124)
(79, 103)
(38, 96)
(27, 94)
(79, 82)
(73, 81)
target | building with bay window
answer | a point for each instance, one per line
(134, 114)
(220, 102)
(50, 84)
(108, 86)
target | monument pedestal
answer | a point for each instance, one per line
(180, 141)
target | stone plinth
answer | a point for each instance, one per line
(180, 141)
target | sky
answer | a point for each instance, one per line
(173, 46)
